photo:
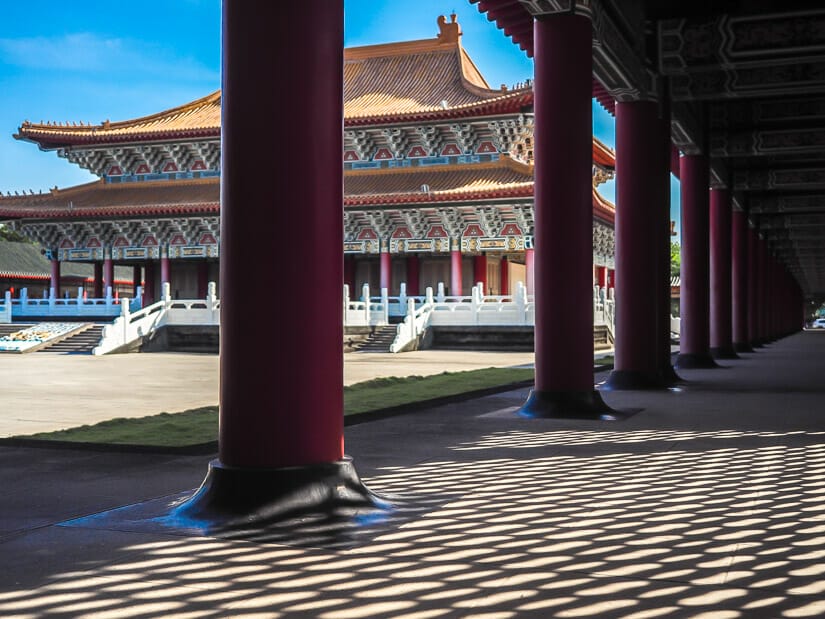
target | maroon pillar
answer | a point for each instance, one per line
(108, 275)
(663, 235)
(563, 221)
(504, 276)
(203, 279)
(739, 271)
(530, 270)
(54, 280)
(149, 283)
(601, 278)
(455, 270)
(385, 266)
(721, 328)
(165, 271)
(412, 275)
(638, 186)
(97, 291)
(349, 274)
(136, 280)
(480, 272)
(288, 414)
(694, 339)
(753, 292)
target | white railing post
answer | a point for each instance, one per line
(24, 296)
(402, 295)
(108, 297)
(365, 295)
(411, 317)
(5, 315)
(521, 303)
(429, 295)
(346, 302)
(475, 302)
(480, 287)
(52, 297)
(440, 297)
(385, 303)
(167, 292)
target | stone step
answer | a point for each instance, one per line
(80, 343)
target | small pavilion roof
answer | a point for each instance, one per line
(419, 80)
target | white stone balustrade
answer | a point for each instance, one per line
(79, 306)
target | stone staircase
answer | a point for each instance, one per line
(379, 340)
(7, 328)
(80, 343)
(601, 338)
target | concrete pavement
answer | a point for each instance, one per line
(709, 503)
(46, 391)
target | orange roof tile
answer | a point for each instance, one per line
(439, 80)
(505, 177)
(100, 199)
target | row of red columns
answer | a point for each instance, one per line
(456, 271)
(275, 415)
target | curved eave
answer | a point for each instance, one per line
(517, 24)
(603, 209)
(106, 212)
(52, 141)
(500, 105)
(434, 197)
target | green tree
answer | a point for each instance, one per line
(7, 234)
(675, 258)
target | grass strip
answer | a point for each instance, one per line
(200, 425)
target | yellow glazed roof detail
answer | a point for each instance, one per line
(438, 77)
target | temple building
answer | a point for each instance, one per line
(438, 170)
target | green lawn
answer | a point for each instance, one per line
(200, 425)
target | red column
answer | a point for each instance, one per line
(601, 279)
(739, 300)
(136, 280)
(98, 277)
(563, 221)
(694, 340)
(54, 280)
(455, 268)
(762, 299)
(480, 272)
(349, 275)
(721, 337)
(165, 277)
(203, 279)
(412, 275)
(638, 188)
(149, 283)
(753, 292)
(385, 263)
(530, 270)
(108, 275)
(281, 415)
(504, 276)
(663, 238)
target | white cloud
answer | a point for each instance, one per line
(92, 53)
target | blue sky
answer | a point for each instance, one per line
(90, 60)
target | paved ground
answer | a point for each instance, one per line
(709, 503)
(43, 392)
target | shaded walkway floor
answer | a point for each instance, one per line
(708, 503)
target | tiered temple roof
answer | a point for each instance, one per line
(440, 83)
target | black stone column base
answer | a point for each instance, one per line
(321, 504)
(695, 361)
(742, 347)
(570, 405)
(723, 352)
(632, 380)
(669, 377)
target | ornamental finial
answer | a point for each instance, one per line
(448, 32)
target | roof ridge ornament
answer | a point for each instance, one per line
(448, 32)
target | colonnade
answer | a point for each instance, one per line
(287, 418)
